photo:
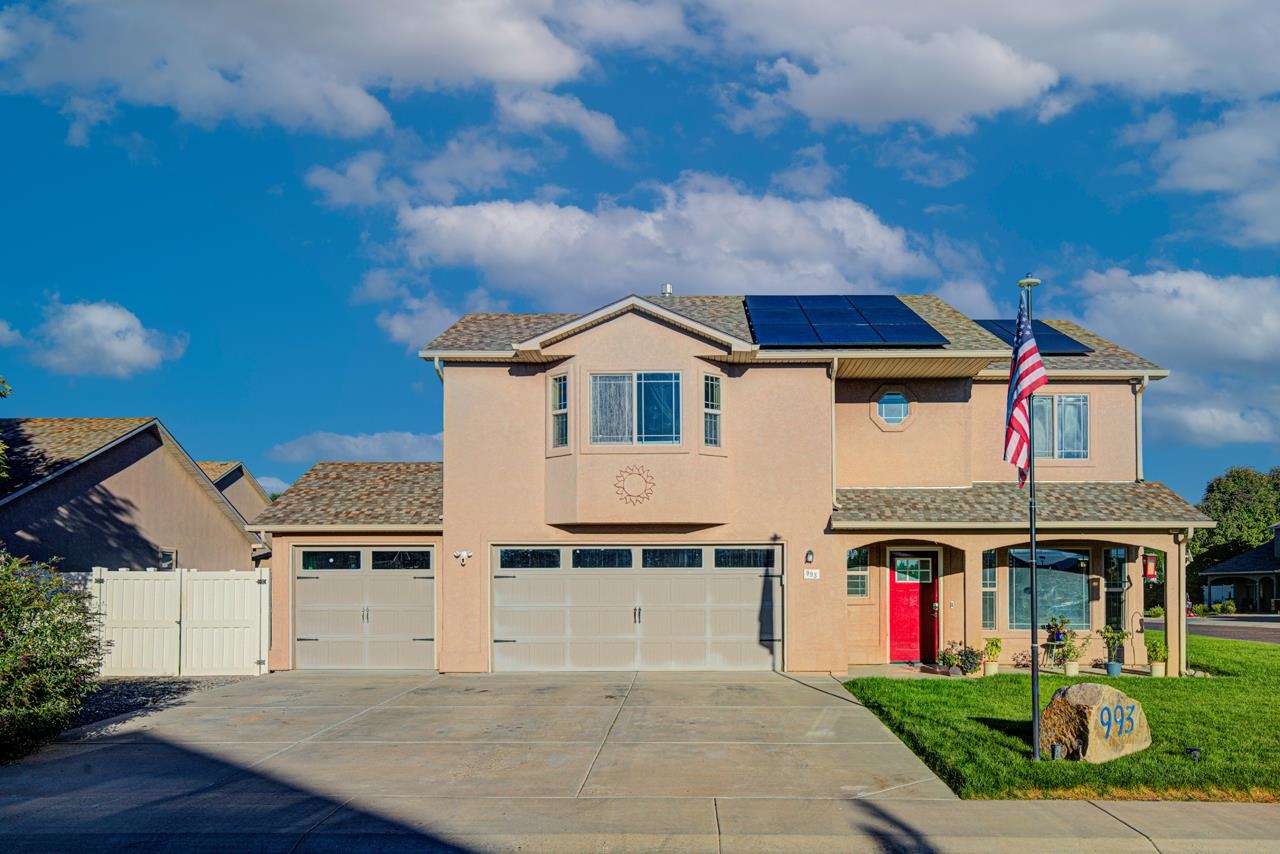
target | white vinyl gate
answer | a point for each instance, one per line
(184, 622)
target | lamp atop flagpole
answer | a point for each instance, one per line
(1029, 282)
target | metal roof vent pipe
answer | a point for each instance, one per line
(666, 289)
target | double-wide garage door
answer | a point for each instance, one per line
(364, 607)
(637, 608)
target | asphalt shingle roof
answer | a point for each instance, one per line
(495, 331)
(1001, 504)
(375, 494)
(38, 447)
(215, 470)
(1106, 355)
(1260, 559)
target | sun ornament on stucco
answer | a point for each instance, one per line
(634, 485)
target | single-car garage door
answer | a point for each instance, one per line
(365, 607)
(637, 608)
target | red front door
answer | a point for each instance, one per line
(913, 598)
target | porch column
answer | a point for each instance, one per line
(1175, 605)
(973, 631)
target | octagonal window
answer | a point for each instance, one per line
(893, 407)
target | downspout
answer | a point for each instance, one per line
(435, 363)
(1182, 598)
(1138, 388)
(835, 371)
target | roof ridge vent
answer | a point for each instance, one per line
(667, 290)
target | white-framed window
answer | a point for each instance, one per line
(893, 407)
(989, 589)
(641, 408)
(1061, 423)
(1114, 566)
(1062, 587)
(857, 566)
(560, 411)
(711, 411)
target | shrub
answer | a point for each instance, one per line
(1156, 611)
(1022, 658)
(991, 651)
(1229, 606)
(966, 658)
(1217, 607)
(50, 653)
(1200, 610)
(1072, 648)
(1156, 648)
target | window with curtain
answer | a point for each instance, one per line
(641, 408)
(711, 411)
(857, 567)
(560, 411)
(989, 589)
(1062, 587)
(1061, 424)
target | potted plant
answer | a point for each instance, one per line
(966, 658)
(1070, 652)
(1157, 654)
(1057, 628)
(991, 657)
(1114, 639)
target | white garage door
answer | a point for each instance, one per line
(365, 607)
(637, 608)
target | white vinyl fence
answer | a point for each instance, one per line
(183, 622)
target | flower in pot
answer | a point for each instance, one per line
(1057, 628)
(1070, 653)
(966, 658)
(1114, 639)
(991, 657)
(1157, 654)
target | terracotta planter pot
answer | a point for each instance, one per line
(1157, 668)
(1070, 668)
(990, 668)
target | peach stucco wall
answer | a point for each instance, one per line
(280, 655)
(120, 508)
(769, 483)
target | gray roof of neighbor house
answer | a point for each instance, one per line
(360, 495)
(728, 314)
(1004, 505)
(1260, 559)
(39, 447)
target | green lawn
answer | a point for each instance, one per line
(976, 733)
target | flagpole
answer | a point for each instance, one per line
(1028, 284)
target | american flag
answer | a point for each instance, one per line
(1026, 374)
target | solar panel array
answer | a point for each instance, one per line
(1050, 341)
(838, 321)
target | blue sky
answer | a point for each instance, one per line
(246, 218)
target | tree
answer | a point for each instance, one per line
(4, 392)
(1245, 503)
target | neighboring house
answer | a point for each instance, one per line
(1253, 577)
(114, 492)
(238, 485)
(734, 483)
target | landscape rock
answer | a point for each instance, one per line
(1093, 723)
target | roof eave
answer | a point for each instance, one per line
(290, 528)
(606, 312)
(1083, 373)
(1161, 525)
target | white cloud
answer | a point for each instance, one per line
(85, 114)
(533, 110)
(100, 339)
(272, 484)
(390, 446)
(703, 233)
(419, 318)
(1217, 334)
(1236, 158)
(472, 162)
(357, 182)
(809, 174)
(8, 335)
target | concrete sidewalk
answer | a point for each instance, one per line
(556, 763)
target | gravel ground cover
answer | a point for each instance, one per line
(119, 695)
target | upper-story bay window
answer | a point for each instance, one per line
(1061, 423)
(641, 408)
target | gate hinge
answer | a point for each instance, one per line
(99, 581)
(262, 581)
(261, 661)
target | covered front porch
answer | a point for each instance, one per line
(940, 572)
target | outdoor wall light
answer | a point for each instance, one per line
(462, 557)
(808, 556)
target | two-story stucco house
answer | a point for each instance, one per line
(682, 482)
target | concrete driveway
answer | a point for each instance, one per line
(630, 760)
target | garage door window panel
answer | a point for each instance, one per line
(745, 558)
(402, 560)
(671, 558)
(602, 559)
(318, 560)
(529, 558)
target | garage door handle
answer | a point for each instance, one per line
(504, 576)
(424, 639)
(424, 578)
(500, 640)
(308, 578)
(307, 639)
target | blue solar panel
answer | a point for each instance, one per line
(847, 334)
(833, 320)
(910, 334)
(1050, 341)
(784, 334)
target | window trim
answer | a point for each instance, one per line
(854, 572)
(1054, 455)
(1087, 584)
(713, 414)
(634, 399)
(557, 381)
(873, 407)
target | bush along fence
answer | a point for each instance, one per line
(183, 622)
